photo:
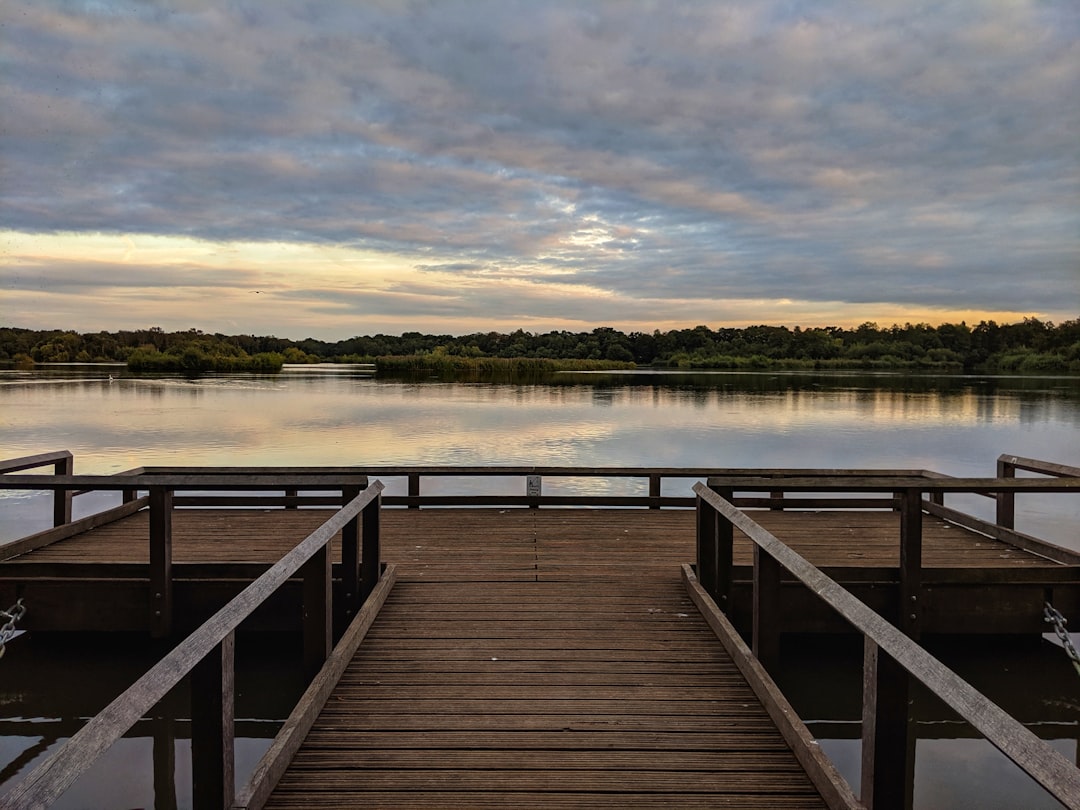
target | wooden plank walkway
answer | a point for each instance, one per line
(543, 694)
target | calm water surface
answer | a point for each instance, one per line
(338, 416)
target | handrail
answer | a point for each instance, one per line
(1039, 760)
(62, 462)
(1007, 465)
(53, 776)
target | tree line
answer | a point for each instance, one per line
(1029, 346)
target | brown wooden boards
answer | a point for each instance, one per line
(543, 694)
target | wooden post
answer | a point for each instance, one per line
(654, 491)
(318, 602)
(910, 615)
(1006, 501)
(291, 492)
(371, 556)
(161, 586)
(725, 543)
(778, 497)
(62, 497)
(350, 562)
(212, 727)
(414, 489)
(888, 749)
(766, 626)
(706, 547)
(164, 754)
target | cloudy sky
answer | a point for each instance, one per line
(338, 168)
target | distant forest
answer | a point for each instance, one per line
(1031, 346)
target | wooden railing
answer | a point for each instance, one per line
(534, 478)
(1007, 466)
(890, 656)
(208, 655)
(161, 498)
(63, 463)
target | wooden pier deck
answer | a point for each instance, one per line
(595, 692)
(546, 657)
(214, 551)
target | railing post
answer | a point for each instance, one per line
(161, 584)
(888, 749)
(350, 561)
(62, 497)
(414, 489)
(766, 625)
(212, 727)
(776, 496)
(1006, 501)
(164, 756)
(370, 558)
(318, 603)
(911, 562)
(291, 492)
(654, 491)
(725, 544)
(706, 547)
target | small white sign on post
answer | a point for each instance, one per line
(532, 486)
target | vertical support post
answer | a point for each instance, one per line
(888, 748)
(291, 492)
(62, 497)
(350, 561)
(1006, 501)
(725, 544)
(766, 627)
(706, 547)
(371, 556)
(654, 491)
(128, 495)
(776, 498)
(164, 755)
(318, 602)
(910, 616)
(414, 489)
(212, 727)
(161, 585)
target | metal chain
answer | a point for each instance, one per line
(11, 617)
(1054, 617)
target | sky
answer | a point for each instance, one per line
(331, 169)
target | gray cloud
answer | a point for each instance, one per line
(858, 152)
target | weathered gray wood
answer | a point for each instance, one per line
(53, 776)
(274, 762)
(161, 581)
(1039, 760)
(1035, 545)
(1038, 466)
(888, 746)
(213, 711)
(49, 536)
(706, 549)
(11, 465)
(894, 484)
(833, 788)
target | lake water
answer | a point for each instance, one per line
(341, 416)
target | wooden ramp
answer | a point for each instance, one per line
(610, 692)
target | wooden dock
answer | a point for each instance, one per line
(515, 652)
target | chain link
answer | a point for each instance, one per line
(11, 617)
(1054, 617)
